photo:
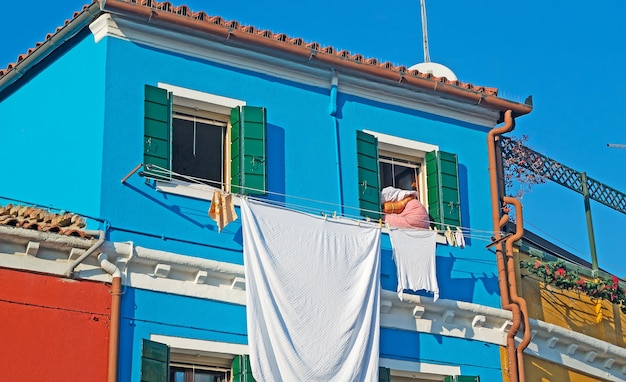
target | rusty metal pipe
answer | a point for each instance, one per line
(498, 222)
(519, 232)
(114, 330)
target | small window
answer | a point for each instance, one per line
(408, 165)
(195, 137)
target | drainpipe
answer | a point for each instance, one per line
(519, 232)
(88, 252)
(114, 332)
(332, 110)
(498, 222)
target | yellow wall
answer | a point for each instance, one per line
(543, 371)
(573, 310)
(568, 309)
(538, 370)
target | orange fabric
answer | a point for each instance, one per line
(222, 209)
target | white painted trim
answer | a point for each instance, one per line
(200, 100)
(415, 148)
(309, 72)
(201, 345)
(214, 280)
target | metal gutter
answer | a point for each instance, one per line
(306, 54)
(48, 46)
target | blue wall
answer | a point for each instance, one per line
(145, 313)
(474, 358)
(52, 126)
(302, 161)
(84, 116)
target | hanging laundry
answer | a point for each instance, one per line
(459, 238)
(312, 292)
(222, 209)
(414, 255)
(450, 236)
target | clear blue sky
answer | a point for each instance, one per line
(568, 55)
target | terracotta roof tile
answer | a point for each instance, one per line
(39, 219)
(183, 11)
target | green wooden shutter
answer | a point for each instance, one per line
(369, 185)
(241, 369)
(384, 374)
(157, 131)
(155, 362)
(248, 151)
(442, 177)
(461, 378)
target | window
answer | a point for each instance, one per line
(385, 160)
(161, 364)
(198, 145)
(191, 136)
(195, 373)
(393, 375)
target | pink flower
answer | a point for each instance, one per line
(560, 272)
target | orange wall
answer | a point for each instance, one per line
(53, 329)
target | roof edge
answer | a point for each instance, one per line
(35, 55)
(312, 52)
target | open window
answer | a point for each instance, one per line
(386, 374)
(192, 137)
(160, 363)
(385, 160)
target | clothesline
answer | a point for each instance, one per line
(478, 234)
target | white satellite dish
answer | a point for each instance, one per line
(433, 68)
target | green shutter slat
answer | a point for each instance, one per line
(368, 178)
(157, 132)
(241, 370)
(465, 378)
(248, 150)
(235, 179)
(461, 378)
(384, 374)
(155, 359)
(442, 178)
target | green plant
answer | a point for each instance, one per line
(557, 274)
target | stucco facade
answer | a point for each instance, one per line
(87, 95)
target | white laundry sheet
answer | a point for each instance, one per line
(414, 255)
(312, 290)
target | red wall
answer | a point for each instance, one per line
(53, 329)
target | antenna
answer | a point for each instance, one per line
(425, 30)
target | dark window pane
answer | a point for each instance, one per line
(386, 175)
(198, 151)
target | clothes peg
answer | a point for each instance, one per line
(460, 239)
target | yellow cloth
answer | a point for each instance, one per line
(222, 209)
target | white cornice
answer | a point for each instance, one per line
(305, 72)
(167, 272)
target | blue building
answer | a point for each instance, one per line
(134, 115)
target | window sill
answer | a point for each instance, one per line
(191, 190)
